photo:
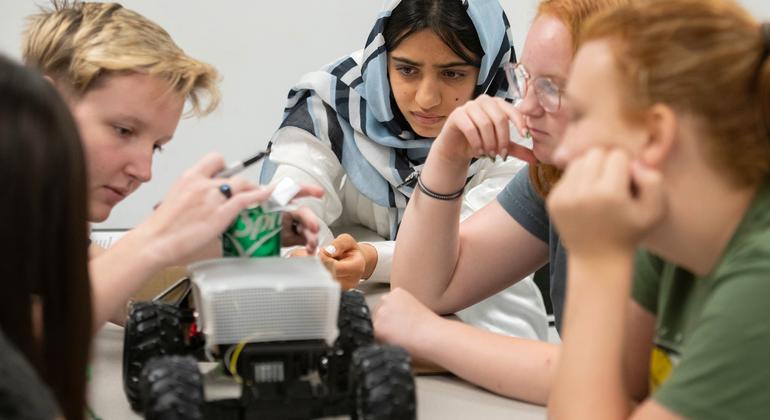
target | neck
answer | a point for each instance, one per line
(704, 211)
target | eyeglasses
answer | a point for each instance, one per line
(547, 93)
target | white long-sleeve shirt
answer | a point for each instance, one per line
(518, 310)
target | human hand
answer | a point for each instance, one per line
(481, 128)
(195, 212)
(349, 260)
(403, 320)
(605, 203)
(300, 227)
(328, 263)
(299, 252)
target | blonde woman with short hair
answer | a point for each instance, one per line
(126, 82)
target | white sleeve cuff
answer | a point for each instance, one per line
(381, 273)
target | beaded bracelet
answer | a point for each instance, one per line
(437, 196)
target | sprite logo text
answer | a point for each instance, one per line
(254, 233)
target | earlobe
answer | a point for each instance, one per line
(662, 125)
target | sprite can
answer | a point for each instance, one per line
(254, 233)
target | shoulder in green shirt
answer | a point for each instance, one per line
(712, 338)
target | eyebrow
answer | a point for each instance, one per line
(439, 66)
(131, 120)
(554, 77)
(559, 79)
(139, 124)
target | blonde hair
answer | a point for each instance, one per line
(573, 14)
(76, 43)
(706, 58)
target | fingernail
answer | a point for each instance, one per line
(504, 154)
(330, 249)
(481, 152)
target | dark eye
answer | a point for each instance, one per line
(453, 74)
(547, 86)
(406, 70)
(123, 131)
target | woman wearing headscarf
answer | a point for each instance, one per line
(362, 126)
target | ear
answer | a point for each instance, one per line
(662, 126)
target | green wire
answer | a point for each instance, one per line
(91, 413)
(89, 410)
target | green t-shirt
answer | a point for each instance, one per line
(712, 341)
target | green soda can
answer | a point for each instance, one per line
(254, 233)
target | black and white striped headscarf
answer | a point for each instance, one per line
(347, 106)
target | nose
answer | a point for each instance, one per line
(140, 164)
(428, 94)
(530, 105)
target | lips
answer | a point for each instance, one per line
(114, 195)
(121, 191)
(427, 119)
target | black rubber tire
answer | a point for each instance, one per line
(384, 384)
(152, 329)
(172, 389)
(354, 322)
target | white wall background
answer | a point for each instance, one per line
(261, 48)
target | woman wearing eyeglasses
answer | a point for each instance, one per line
(361, 128)
(442, 266)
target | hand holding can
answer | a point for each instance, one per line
(253, 233)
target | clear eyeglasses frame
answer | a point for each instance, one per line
(548, 94)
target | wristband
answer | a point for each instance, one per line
(432, 194)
